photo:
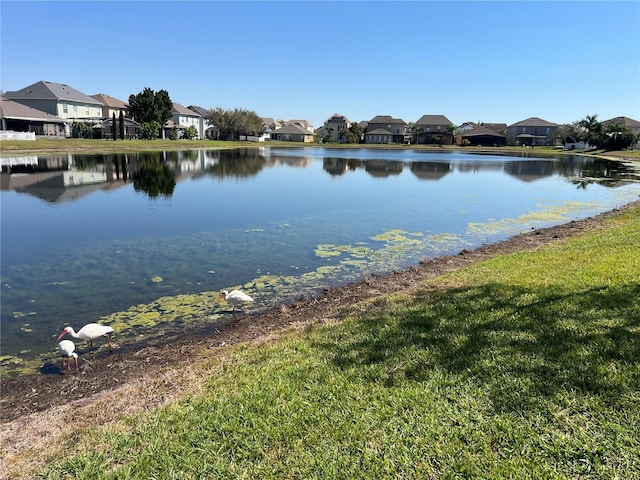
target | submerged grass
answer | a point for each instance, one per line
(524, 366)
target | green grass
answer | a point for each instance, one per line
(525, 366)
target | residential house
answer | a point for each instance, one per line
(332, 128)
(111, 106)
(61, 101)
(270, 125)
(470, 133)
(383, 129)
(531, 132)
(205, 131)
(433, 129)
(303, 123)
(292, 133)
(17, 117)
(630, 123)
(181, 119)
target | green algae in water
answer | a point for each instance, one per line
(157, 279)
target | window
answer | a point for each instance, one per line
(65, 108)
(75, 109)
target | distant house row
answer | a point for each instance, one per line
(51, 109)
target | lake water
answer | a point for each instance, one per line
(144, 241)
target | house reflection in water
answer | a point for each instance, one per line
(383, 168)
(430, 170)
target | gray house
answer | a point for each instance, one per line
(21, 118)
(531, 132)
(433, 129)
(61, 101)
(384, 129)
(330, 131)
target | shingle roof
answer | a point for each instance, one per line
(51, 91)
(337, 117)
(433, 120)
(481, 130)
(386, 119)
(292, 129)
(15, 110)
(199, 110)
(626, 121)
(110, 101)
(182, 110)
(379, 131)
(534, 122)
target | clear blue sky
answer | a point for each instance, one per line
(470, 61)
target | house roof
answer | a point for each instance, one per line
(495, 126)
(433, 120)
(51, 91)
(294, 129)
(480, 130)
(18, 111)
(199, 110)
(182, 110)
(110, 101)
(386, 119)
(626, 121)
(534, 122)
(379, 131)
(303, 123)
(336, 117)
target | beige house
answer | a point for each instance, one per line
(330, 131)
(292, 133)
(111, 106)
(531, 132)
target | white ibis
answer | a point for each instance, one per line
(90, 332)
(66, 349)
(236, 297)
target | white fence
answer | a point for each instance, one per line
(11, 135)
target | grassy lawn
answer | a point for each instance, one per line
(70, 145)
(525, 366)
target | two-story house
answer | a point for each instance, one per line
(383, 129)
(181, 119)
(531, 132)
(470, 133)
(332, 128)
(61, 101)
(433, 129)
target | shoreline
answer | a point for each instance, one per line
(29, 394)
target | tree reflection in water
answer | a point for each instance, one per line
(153, 177)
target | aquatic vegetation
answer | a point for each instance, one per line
(157, 279)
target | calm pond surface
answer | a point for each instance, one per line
(144, 241)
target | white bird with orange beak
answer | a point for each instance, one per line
(90, 332)
(236, 298)
(67, 350)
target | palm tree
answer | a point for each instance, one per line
(593, 130)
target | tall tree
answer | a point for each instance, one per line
(149, 106)
(592, 129)
(121, 125)
(233, 123)
(114, 127)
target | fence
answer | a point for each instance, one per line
(11, 135)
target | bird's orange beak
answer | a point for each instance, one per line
(61, 335)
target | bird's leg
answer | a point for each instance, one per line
(90, 344)
(108, 341)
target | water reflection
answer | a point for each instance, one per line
(67, 177)
(278, 222)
